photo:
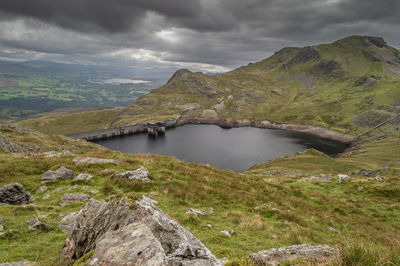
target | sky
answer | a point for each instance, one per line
(200, 35)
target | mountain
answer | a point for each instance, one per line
(348, 85)
(351, 85)
(325, 85)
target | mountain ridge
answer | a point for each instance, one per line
(325, 85)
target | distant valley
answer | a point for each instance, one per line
(33, 88)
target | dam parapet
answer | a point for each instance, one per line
(153, 129)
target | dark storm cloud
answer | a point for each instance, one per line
(109, 15)
(184, 33)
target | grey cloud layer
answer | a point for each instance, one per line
(223, 33)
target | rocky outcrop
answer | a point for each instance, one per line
(66, 224)
(304, 251)
(90, 160)
(134, 244)
(14, 194)
(60, 173)
(141, 174)
(9, 146)
(141, 235)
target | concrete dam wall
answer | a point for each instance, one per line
(153, 129)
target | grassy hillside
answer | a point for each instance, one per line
(326, 85)
(268, 206)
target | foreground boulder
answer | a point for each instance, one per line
(143, 236)
(304, 251)
(60, 173)
(141, 174)
(14, 194)
(90, 160)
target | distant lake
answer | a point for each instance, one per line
(119, 81)
(236, 148)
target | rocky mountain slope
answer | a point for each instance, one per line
(325, 85)
(348, 85)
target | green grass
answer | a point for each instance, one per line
(255, 204)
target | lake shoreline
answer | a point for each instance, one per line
(307, 129)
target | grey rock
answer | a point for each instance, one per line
(1, 228)
(50, 154)
(17, 263)
(67, 222)
(82, 176)
(274, 256)
(228, 233)
(47, 196)
(177, 245)
(94, 220)
(60, 173)
(75, 197)
(73, 187)
(133, 244)
(90, 160)
(14, 194)
(94, 191)
(9, 146)
(41, 189)
(56, 190)
(2, 219)
(342, 178)
(141, 174)
(195, 212)
(37, 224)
(321, 178)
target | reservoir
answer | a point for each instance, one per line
(236, 148)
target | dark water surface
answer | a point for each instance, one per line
(236, 149)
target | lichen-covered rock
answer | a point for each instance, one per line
(90, 160)
(165, 240)
(141, 174)
(342, 178)
(274, 256)
(75, 197)
(195, 212)
(60, 173)
(37, 224)
(134, 244)
(41, 189)
(82, 176)
(17, 263)
(94, 220)
(321, 178)
(9, 146)
(14, 194)
(66, 224)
